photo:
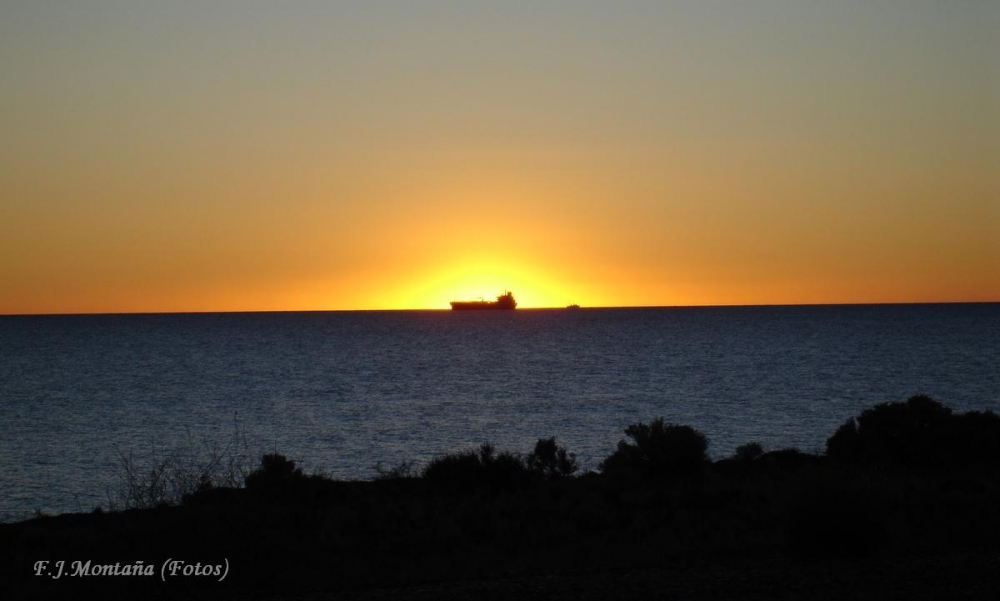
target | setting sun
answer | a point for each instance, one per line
(485, 279)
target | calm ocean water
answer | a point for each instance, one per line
(341, 391)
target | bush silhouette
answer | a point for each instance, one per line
(748, 451)
(907, 433)
(482, 468)
(167, 478)
(659, 450)
(845, 444)
(919, 432)
(400, 471)
(275, 471)
(550, 460)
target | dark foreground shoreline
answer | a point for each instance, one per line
(905, 504)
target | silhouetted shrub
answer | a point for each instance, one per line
(919, 432)
(659, 450)
(483, 468)
(845, 444)
(275, 471)
(550, 460)
(748, 451)
(786, 460)
(160, 478)
(402, 470)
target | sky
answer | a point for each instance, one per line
(247, 156)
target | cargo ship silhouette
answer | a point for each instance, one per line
(504, 301)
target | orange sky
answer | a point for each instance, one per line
(244, 156)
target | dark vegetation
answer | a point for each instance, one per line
(904, 503)
(166, 478)
(659, 451)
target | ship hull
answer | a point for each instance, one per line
(504, 302)
(478, 306)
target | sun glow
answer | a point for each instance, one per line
(484, 279)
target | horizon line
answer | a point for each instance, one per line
(448, 310)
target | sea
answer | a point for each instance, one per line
(82, 396)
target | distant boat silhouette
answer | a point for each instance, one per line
(504, 301)
(572, 307)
